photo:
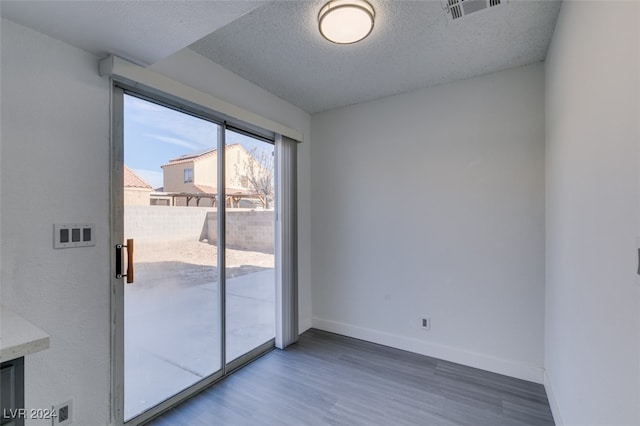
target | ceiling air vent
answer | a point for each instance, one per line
(459, 8)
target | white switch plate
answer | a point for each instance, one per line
(67, 235)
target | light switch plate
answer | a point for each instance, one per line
(70, 235)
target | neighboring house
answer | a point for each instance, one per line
(137, 192)
(196, 176)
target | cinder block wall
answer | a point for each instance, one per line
(246, 230)
(162, 223)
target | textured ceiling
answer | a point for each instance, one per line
(277, 46)
(141, 31)
(413, 45)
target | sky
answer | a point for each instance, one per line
(154, 134)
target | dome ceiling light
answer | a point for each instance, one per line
(346, 21)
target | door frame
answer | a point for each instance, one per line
(116, 162)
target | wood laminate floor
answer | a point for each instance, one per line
(327, 379)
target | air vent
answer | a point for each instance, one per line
(459, 8)
(453, 7)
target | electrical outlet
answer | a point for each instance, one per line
(63, 414)
(425, 323)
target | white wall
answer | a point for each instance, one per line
(432, 202)
(197, 71)
(55, 168)
(592, 334)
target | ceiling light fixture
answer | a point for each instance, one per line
(346, 21)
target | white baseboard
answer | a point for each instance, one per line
(486, 362)
(555, 409)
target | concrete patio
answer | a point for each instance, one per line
(172, 330)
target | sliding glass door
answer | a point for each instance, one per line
(250, 244)
(172, 334)
(198, 306)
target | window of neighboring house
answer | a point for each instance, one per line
(244, 181)
(188, 175)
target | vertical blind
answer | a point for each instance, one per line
(286, 242)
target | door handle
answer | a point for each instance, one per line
(129, 273)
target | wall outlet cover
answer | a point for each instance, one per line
(63, 414)
(424, 322)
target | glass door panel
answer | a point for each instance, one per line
(172, 311)
(250, 244)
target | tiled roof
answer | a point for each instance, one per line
(238, 191)
(189, 158)
(229, 190)
(132, 180)
(206, 189)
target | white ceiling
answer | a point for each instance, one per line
(140, 31)
(277, 46)
(413, 45)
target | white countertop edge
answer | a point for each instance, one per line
(19, 337)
